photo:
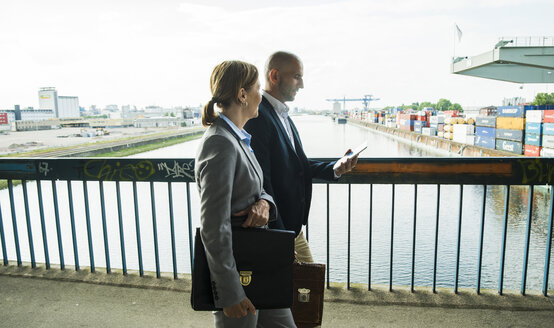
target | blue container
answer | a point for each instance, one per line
(533, 139)
(407, 122)
(505, 134)
(509, 146)
(488, 121)
(548, 129)
(538, 107)
(485, 131)
(511, 111)
(486, 142)
(535, 128)
(420, 124)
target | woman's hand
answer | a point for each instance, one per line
(240, 310)
(258, 214)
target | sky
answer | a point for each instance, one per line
(162, 52)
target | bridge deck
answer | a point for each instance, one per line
(69, 298)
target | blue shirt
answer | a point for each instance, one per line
(242, 134)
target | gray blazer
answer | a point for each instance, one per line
(229, 179)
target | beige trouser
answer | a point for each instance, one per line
(303, 253)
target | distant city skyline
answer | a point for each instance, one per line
(161, 53)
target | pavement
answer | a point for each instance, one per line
(66, 298)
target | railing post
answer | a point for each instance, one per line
(28, 220)
(72, 220)
(548, 244)
(43, 224)
(2, 239)
(370, 235)
(89, 230)
(105, 228)
(121, 231)
(436, 240)
(459, 239)
(481, 237)
(328, 238)
(391, 240)
(504, 233)
(527, 240)
(172, 229)
(414, 239)
(14, 223)
(137, 229)
(348, 242)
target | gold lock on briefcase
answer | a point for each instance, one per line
(309, 287)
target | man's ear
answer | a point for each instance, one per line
(274, 76)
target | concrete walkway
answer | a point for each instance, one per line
(33, 298)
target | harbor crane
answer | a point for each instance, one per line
(366, 100)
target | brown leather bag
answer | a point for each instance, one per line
(309, 287)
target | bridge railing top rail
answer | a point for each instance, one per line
(423, 170)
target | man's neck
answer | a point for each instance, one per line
(275, 95)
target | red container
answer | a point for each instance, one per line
(548, 116)
(531, 150)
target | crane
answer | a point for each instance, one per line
(366, 100)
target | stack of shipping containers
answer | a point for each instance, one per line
(485, 131)
(510, 126)
(437, 123)
(406, 121)
(547, 131)
(533, 132)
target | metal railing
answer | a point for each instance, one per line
(527, 41)
(133, 175)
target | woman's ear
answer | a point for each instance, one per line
(242, 96)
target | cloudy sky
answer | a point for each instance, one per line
(162, 52)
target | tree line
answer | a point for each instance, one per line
(441, 105)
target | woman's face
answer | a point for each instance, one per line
(254, 98)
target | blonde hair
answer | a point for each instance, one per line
(226, 81)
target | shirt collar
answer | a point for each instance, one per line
(242, 134)
(279, 107)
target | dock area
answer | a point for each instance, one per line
(56, 298)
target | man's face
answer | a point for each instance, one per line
(291, 80)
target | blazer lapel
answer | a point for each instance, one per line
(253, 162)
(279, 123)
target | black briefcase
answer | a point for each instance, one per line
(264, 259)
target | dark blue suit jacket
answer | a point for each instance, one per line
(287, 173)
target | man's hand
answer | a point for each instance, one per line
(258, 214)
(240, 310)
(348, 165)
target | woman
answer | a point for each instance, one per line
(230, 183)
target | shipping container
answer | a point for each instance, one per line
(406, 127)
(535, 128)
(511, 111)
(485, 142)
(486, 121)
(436, 119)
(548, 116)
(417, 129)
(533, 139)
(534, 116)
(429, 131)
(547, 152)
(548, 141)
(531, 150)
(548, 129)
(514, 135)
(509, 146)
(463, 129)
(484, 131)
(510, 123)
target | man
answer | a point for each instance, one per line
(287, 171)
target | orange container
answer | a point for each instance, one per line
(531, 150)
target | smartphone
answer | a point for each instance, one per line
(351, 154)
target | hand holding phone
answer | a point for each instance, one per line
(350, 155)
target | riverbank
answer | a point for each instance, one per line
(444, 147)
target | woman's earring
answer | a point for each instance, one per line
(245, 104)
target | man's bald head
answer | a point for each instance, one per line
(278, 61)
(283, 76)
